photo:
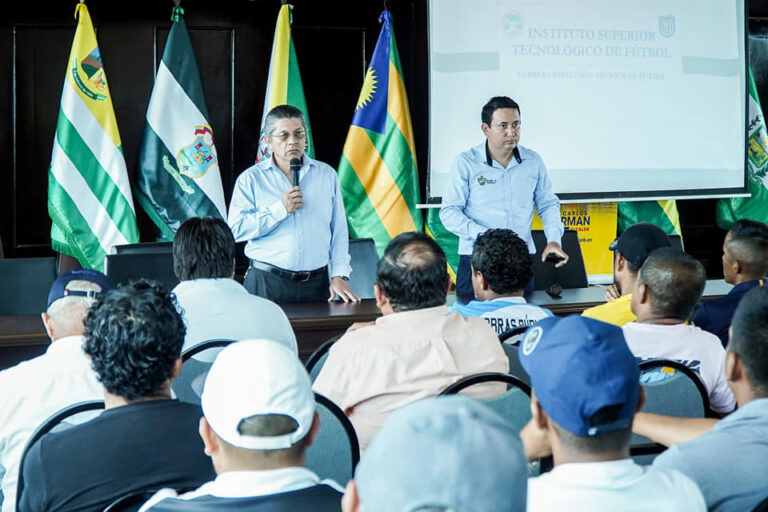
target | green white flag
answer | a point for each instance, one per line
(755, 207)
(177, 175)
(89, 196)
(662, 213)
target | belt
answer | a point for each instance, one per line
(301, 275)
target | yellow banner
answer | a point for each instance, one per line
(596, 224)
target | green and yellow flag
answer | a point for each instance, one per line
(662, 213)
(284, 82)
(89, 196)
(755, 207)
(377, 172)
(445, 239)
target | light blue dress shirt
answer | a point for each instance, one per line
(311, 237)
(480, 196)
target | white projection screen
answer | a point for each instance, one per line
(622, 99)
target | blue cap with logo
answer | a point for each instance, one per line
(451, 453)
(583, 373)
(59, 288)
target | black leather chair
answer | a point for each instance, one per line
(762, 506)
(24, 285)
(195, 363)
(336, 450)
(363, 259)
(55, 423)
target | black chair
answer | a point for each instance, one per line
(762, 506)
(514, 404)
(363, 259)
(24, 285)
(571, 275)
(130, 502)
(144, 248)
(195, 363)
(155, 263)
(515, 368)
(336, 450)
(55, 423)
(317, 359)
(671, 389)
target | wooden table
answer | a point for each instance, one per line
(23, 336)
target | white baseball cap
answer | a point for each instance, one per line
(254, 377)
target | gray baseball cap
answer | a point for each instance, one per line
(448, 452)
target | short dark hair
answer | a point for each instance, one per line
(503, 259)
(203, 248)
(749, 336)
(413, 272)
(675, 282)
(494, 104)
(748, 243)
(134, 335)
(608, 442)
(267, 425)
(282, 112)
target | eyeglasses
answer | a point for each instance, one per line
(284, 136)
(502, 127)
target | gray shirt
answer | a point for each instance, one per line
(729, 463)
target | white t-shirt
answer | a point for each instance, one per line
(699, 350)
(615, 485)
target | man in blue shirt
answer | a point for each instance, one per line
(294, 232)
(501, 267)
(496, 185)
(745, 263)
(728, 459)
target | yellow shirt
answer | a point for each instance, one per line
(616, 312)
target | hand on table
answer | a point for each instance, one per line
(554, 248)
(341, 288)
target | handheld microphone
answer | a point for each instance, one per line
(295, 165)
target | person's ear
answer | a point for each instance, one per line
(210, 441)
(233, 269)
(734, 367)
(176, 370)
(313, 430)
(737, 267)
(48, 324)
(538, 415)
(641, 290)
(640, 399)
(448, 283)
(350, 502)
(619, 262)
(486, 129)
(381, 299)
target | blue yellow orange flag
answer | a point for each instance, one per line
(377, 172)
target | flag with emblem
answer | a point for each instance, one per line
(89, 196)
(284, 81)
(755, 207)
(662, 213)
(449, 242)
(177, 174)
(377, 173)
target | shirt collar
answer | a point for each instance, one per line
(67, 344)
(405, 316)
(241, 484)
(747, 285)
(592, 473)
(489, 159)
(755, 409)
(516, 300)
(306, 162)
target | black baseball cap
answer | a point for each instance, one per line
(59, 287)
(638, 241)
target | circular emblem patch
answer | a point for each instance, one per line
(531, 339)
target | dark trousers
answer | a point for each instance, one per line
(282, 289)
(464, 290)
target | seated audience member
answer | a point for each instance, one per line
(630, 251)
(34, 390)
(586, 392)
(143, 440)
(443, 454)
(214, 304)
(259, 419)
(745, 262)
(416, 349)
(729, 460)
(669, 286)
(501, 268)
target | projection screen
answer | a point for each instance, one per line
(622, 99)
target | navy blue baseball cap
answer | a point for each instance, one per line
(579, 366)
(60, 290)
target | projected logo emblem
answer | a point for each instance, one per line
(512, 23)
(667, 26)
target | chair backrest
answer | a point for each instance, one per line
(144, 248)
(336, 451)
(513, 336)
(317, 359)
(571, 275)
(57, 422)
(762, 506)
(515, 368)
(130, 502)
(195, 363)
(154, 264)
(671, 389)
(363, 259)
(514, 404)
(24, 285)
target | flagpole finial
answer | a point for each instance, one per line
(177, 11)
